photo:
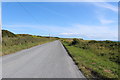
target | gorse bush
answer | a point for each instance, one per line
(75, 41)
(21, 40)
(14, 42)
(107, 49)
(6, 33)
(98, 59)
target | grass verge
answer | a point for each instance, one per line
(14, 44)
(91, 65)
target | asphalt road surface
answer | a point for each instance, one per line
(48, 60)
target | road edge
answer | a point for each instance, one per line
(73, 60)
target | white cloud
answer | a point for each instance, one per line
(92, 32)
(103, 15)
(69, 34)
(78, 30)
(105, 21)
(107, 6)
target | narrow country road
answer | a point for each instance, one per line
(48, 60)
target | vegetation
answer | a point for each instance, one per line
(97, 59)
(6, 33)
(14, 42)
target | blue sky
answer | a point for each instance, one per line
(87, 20)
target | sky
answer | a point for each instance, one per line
(87, 20)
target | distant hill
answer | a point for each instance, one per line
(6, 33)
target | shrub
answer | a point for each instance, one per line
(75, 41)
(6, 33)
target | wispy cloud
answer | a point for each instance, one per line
(103, 20)
(92, 32)
(102, 14)
(107, 6)
(69, 34)
(77, 30)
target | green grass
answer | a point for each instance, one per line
(14, 44)
(91, 64)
